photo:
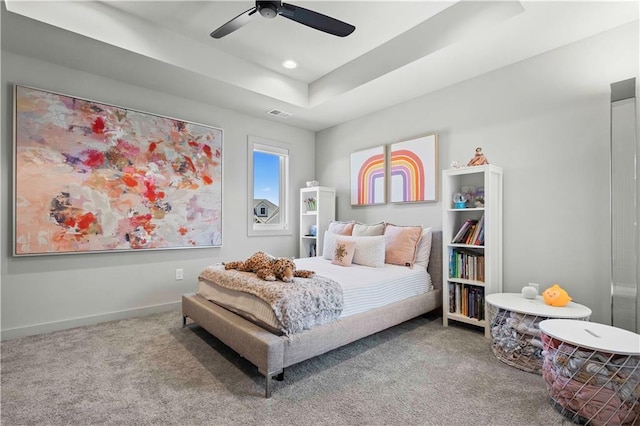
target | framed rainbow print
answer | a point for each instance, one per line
(91, 177)
(414, 169)
(368, 175)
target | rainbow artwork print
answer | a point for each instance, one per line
(92, 177)
(368, 177)
(414, 169)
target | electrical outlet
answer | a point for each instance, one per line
(179, 274)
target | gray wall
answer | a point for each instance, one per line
(546, 121)
(54, 292)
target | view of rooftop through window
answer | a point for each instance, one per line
(268, 195)
(266, 182)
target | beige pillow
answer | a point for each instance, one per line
(424, 247)
(363, 230)
(341, 228)
(401, 243)
(343, 252)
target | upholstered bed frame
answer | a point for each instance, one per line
(272, 353)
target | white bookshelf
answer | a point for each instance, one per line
(486, 280)
(324, 212)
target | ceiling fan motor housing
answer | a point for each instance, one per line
(268, 9)
(271, 9)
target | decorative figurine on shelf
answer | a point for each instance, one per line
(469, 192)
(455, 165)
(311, 203)
(459, 201)
(556, 296)
(479, 198)
(478, 159)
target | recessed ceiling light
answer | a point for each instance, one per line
(289, 64)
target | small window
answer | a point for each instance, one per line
(268, 187)
(262, 212)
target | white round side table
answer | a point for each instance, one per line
(592, 371)
(514, 323)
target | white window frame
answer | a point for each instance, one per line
(278, 148)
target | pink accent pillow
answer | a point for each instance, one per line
(343, 253)
(401, 243)
(341, 228)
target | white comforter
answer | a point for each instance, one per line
(365, 287)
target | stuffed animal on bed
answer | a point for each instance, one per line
(269, 268)
(556, 296)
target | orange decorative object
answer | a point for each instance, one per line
(556, 296)
(478, 158)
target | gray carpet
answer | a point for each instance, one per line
(149, 370)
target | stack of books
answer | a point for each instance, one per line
(466, 300)
(466, 265)
(471, 233)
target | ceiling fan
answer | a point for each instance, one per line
(270, 9)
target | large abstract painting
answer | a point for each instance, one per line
(91, 177)
(414, 169)
(368, 177)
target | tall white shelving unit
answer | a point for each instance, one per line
(317, 216)
(458, 286)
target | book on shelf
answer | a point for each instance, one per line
(467, 300)
(466, 264)
(464, 230)
(474, 240)
(452, 298)
(471, 232)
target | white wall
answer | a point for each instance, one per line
(45, 293)
(546, 121)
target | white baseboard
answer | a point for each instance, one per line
(30, 330)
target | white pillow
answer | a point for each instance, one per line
(329, 245)
(369, 250)
(424, 247)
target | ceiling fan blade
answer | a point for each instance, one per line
(237, 22)
(316, 20)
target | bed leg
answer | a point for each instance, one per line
(267, 387)
(267, 382)
(184, 321)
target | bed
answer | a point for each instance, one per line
(271, 352)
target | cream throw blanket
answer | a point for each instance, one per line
(298, 305)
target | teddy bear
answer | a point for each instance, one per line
(556, 296)
(269, 268)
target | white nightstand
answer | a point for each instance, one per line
(592, 371)
(513, 322)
